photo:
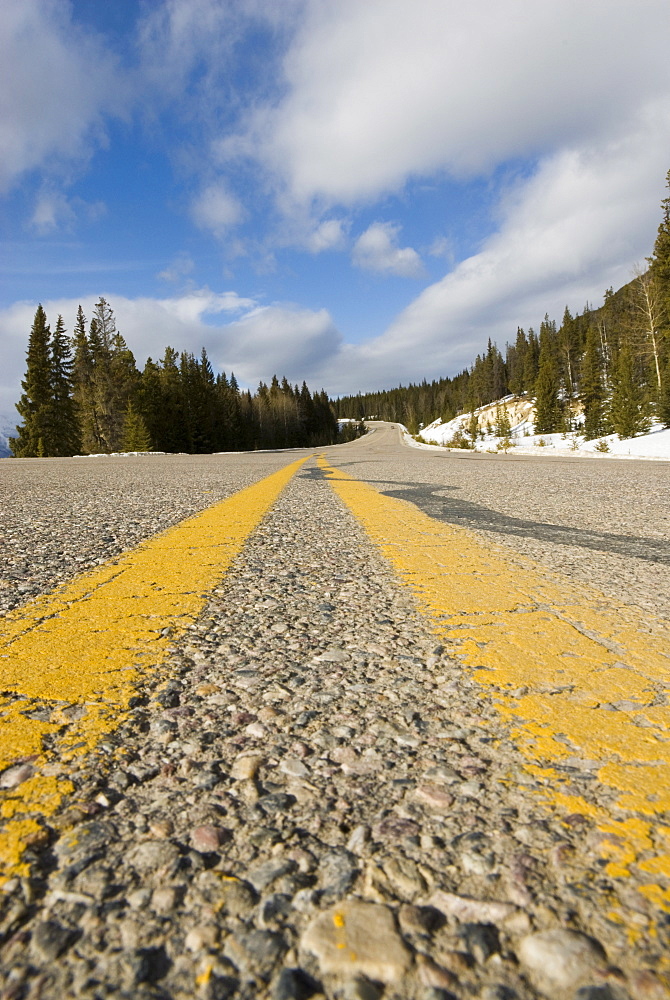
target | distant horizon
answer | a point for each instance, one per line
(357, 195)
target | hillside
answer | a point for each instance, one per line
(508, 425)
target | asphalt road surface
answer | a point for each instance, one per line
(364, 722)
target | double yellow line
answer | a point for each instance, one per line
(574, 675)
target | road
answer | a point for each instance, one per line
(367, 721)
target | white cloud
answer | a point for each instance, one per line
(377, 250)
(57, 82)
(216, 209)
(287, 340)
(195, 305)
(441, 247)
(374, 95)
(381, 91)
(52, 211)
(331, 234)
(55, 211)
(175, 36)
(179, 268)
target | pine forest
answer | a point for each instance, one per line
(85, 395)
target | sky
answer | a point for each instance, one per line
(358, 193)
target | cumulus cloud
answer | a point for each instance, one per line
(216, 209)
(377, 250)
(382, 91)
(57, 83)
(331, 234)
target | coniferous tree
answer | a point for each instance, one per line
(568, 345)
(664, 401)
(628, 410)
(207, 403)
(503, 427)
(327, 422)
(592, 388)
(516, 359)
(307, 414)
(99, 402)
(660, 258)
(99, 352)
(124, 383)
(531, 362)
(171, 428)
(65, 437)
(83, 388)
(35, 405)
(148, 400)
(135, 436)
(114, 377)
(230, 432)
(548, 409)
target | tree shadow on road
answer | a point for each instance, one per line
(464, 513)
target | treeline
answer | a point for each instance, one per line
(85, 395)
(610, 365)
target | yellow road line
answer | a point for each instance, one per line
(84, 644)
(579, 676)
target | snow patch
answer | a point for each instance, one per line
(522, 439)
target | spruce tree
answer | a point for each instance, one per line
(531, 362)
(592, 388)
(35, 405)
(660, 259)
(83, 389)
(664, 401)
(135, 435)
(172, 433)
(227, 431)
(101, 334)
(207, 414)
(99, 353)
(548, 409)
(516, 359)
(628, 410)
(307, 413)
(124, 382)
(148, 400)
(503, 427)
(65, 437)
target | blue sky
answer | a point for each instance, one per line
(355, 192)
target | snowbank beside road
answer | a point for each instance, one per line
(522, 439)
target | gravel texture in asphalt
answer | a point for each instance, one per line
(310, 797)
(62, 516)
